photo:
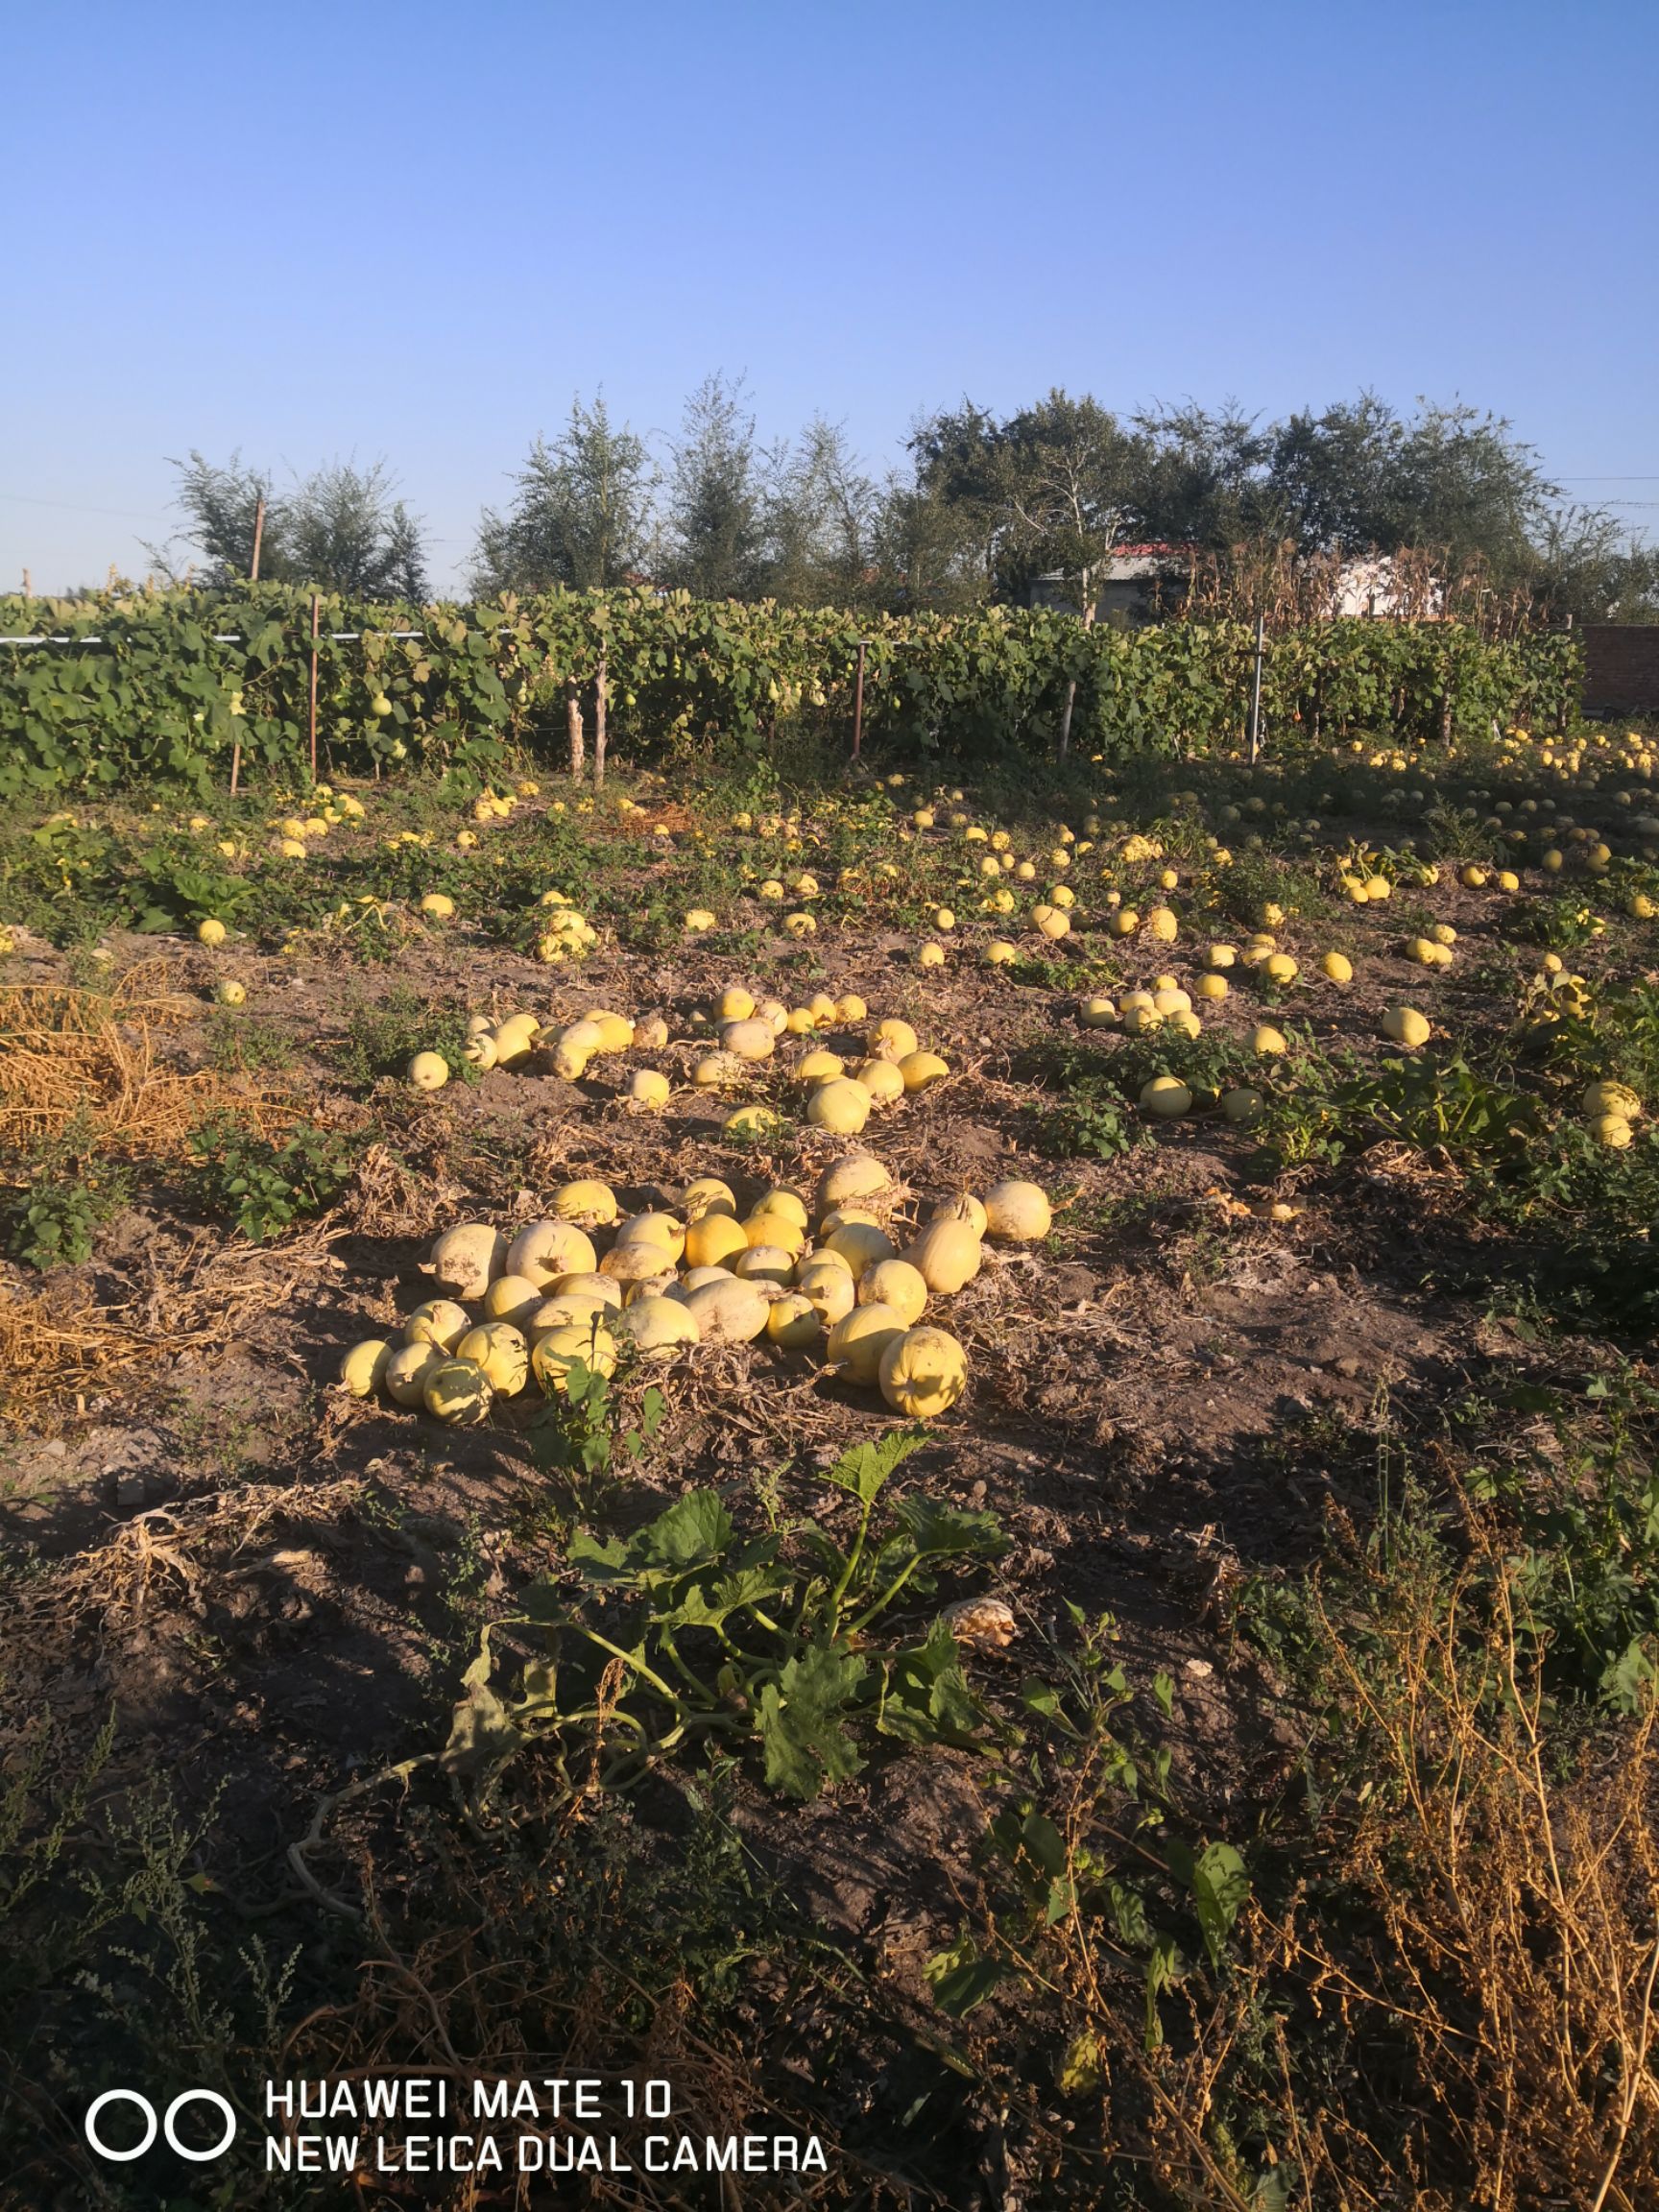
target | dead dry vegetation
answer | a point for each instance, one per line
(1291, 1839)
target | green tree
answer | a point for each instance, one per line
(220, 506)
(581, 515)
(345, 529)
(1462, 480)
(716, 521)
(1358, 478)
(821, 513)
(1201, 477)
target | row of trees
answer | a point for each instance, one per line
(983, 508)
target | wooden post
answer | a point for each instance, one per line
(1256, 690)
(601, 692)
(28, 585)
(573, 722)
(253, 578)
(858, 703)
(316, 611)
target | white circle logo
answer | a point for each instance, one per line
(166, 2125)
(120, 2097)
(203, 2096)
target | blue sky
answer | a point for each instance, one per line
(417, 230)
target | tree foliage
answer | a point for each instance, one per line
(581, 515)
(342, 528)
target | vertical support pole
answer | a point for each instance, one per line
(574, 723)
(316, 612)
(28, 585)
(858, 703)
(601, 696)
(1256, 690)
(252, 578)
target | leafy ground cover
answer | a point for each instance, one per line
(1211, 1764)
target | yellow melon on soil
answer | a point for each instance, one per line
(923, 1373)
(457, 1392)
(856, 1342)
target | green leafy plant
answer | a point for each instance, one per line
(690, 1635)
(1091, 1865)
(69, 1192)
(579, 1433)
(264, 1186)
(382, 1036)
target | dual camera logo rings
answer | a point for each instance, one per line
(164, 2125)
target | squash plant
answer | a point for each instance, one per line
(690, 1635)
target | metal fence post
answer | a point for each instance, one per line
(1256, 690)
(316, 610)
(858, 703)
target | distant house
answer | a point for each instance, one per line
(1135, 579)
(1142, 582)
(1372, 585)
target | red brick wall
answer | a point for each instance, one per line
(1621, 666)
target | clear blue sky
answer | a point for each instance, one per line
(417, 230)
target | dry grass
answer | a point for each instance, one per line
(58, 1352)
(1478, 1957)
(61, 1353)
(89, 1058)
(1513, 1890)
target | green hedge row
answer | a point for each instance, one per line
(176, 679)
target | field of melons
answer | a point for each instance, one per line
(968, 1464)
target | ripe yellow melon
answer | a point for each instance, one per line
(588, 1202)
(818, 1066)
(510, 1297)
(458, 1392)
(466, 1259)
(892, 1040)
(363, 1367)
(921, 1070)
(500, 1350)
(923, 1373)
(753, 1039)
(1165, 1098)
(882, 1079)
(856, 1342)
(439, 1321)
(894, 1282)
(826, 1282)
(545, 1250)
(727, 1311)
(1017, 1212)
(707, 1194)
(861, 1245)
(859, 1175)
(428, 1072)
(1406, 1027)
(660, 1324)
(841, 1106)
(714, 1239)
(947, 1255)
(793, 1322)
(587, 1344)
(764, 1263)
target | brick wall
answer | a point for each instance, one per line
(1621, 666)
